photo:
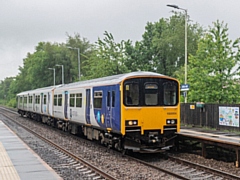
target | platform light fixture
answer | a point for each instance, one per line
(185, 10)
(53, 75)
(62, 72)
(78, 49)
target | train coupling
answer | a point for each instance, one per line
(153, 139)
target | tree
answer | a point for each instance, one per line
(108, 58)
(86, 49)
(5, 94)
(162, 46)
(213, 70)
(143, 55)
(169, 42)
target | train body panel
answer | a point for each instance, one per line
(107, 106)
(134, 111)
(77, 105)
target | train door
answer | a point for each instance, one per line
(109, 108)
(65, 104)
(43, 103)
(28, 108)
(112, 109)
(34, 101)
(24, 103)
(88, 100)
(48, 101)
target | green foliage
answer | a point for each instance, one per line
(107, 59)
(86, 49)
(163, 45)
(142, 56)
(212, 71)
(12, 103)
(212, 58)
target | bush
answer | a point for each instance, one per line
(12, 103)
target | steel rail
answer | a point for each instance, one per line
(204, 168)
(94, 168)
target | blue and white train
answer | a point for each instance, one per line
(138, 111)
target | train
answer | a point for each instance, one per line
(136, 111)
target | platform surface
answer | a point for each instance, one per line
(19, 162)
(217, 136)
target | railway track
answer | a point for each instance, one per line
(177, 168)
(80, 164)
(186, 169)
(208, 171)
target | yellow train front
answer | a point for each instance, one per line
(150, 112)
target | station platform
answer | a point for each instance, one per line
(18, 161)
(213, 138)
(216, 136)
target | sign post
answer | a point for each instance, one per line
(184, 88)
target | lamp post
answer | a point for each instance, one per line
(53, 75)
(62, 72)
(78, 49)
(185, 10)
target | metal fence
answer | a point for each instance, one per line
(210, 115)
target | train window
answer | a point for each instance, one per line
(59, 100)
(79, 100)
(37, 99)
(170, 93)
(45, 99)
(55, 100)
(25, 100)
(30, 99)
(72, 100)
(108, 98)
(131, 94)
(151, 94)
(113, 98)
(97, 99)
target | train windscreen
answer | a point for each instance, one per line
(150, 92)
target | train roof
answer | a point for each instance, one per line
(38, 90)
(109, 80)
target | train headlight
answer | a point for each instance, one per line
(131, 122)
(171, 121)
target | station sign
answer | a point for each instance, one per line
(184, 87)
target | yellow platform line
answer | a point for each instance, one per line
(7, 170)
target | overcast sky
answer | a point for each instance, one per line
(24, 23)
